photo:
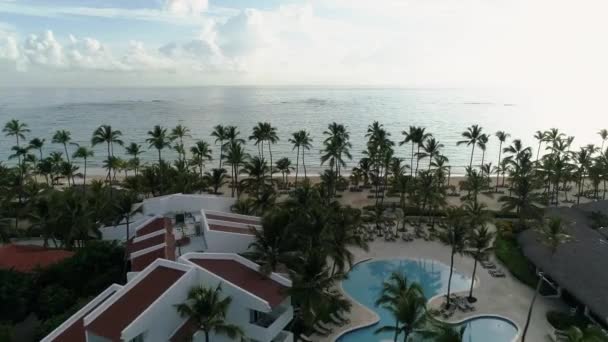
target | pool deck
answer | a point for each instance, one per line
(505, 297)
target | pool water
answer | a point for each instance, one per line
(364, 284)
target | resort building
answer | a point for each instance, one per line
(144, 308)
(169, 226)
(577, 270)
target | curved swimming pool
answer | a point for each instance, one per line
(364, 284)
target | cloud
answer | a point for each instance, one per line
(186, 7)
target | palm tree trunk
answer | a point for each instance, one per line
(160, 171)
(417, 159)
(412, 161)
(206, 336)
(396, 330)
(84, 179)
(473, 277)
(529, 317)
(472, 153)
(221, 152)
(126, 247)
(538, 151)
(109, 177)
(297, 164)
(498, 165)
(232, 175)
(270, 154)
(450, 278)
(304, 164)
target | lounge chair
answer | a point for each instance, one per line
(339, 315)
(325, 326)
(319, 330)
(497, 273)
(305, 338)
(335, 320)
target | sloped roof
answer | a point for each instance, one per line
(580, 265)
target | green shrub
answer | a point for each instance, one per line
(54, 300)
(562, 320)
(16, 293)
(508, 252)
(47, 326)
(6, 332)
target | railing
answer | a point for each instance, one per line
(272, 331)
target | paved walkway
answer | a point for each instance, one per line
(506, 297)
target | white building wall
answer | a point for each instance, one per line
(161, 318)
(186, 203)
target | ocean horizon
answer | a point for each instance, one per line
(444, 112)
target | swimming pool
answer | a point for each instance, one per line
(364, 284)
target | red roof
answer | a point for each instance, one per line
(138, 263)
(246, 278)
(114, 319)
(76, 332)
(185, 331)
(146, 243)
(232, 219)
(154, 226)
(227, 229)
(27, 258)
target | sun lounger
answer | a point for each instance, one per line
(305, 338)
(325, 326)
(333, 319)
(341, 317)
(497, 273)
(319, 330)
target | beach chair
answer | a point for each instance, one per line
(325, 326)
(335, 320)
(319, 330)
(339, 315)
(305, 338)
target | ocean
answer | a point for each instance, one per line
(445, 113)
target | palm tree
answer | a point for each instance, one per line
(17, 129)
(341, 236)
(502, 138)
(583, 160)
(541, 137)
(284, 167)
(37, 144)
(258, 137)
(472, 138)
(235, 157)
(125, 210)
(105, 134)
(84, 153)
(179, 132)
(406, 302)
(202, 152)
(134, 150)
(272, 245)
(159, 140)
(455, 235)
(301, 141)
(416, 136)
(480, 238)
(431, 149)
(216, 178)
(336, 145)
(63, 137)
(552, 234)
(445, 332)
(219, 133)
(207, 308)
(604, 135)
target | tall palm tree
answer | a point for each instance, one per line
(340, 236)
(134, 150)
(124, 207)
(159, 140)
(407, 304)
(552, 234)
(207, 308)
(472, 137)
(236, 157)
(541, 137)
(583, 161)
(219, 133)
(84, 153)
(502, 138)
(272, 245)
(604, 135)
(337, 145)
(37, 144)
(216, 178)
(416, 136)
(258, 136)
(202, 152)
(454, 234)
(301, 141)
(431, 149)
(63, 137)
(105, 134)
(179, 132)
(17, 129)
(479, 239)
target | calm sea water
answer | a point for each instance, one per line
(444, 112)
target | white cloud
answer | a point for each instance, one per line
(186, 7)
(44, 50)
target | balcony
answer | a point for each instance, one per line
(269, 326)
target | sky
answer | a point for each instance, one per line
(541, 44)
